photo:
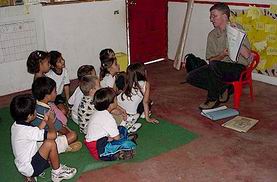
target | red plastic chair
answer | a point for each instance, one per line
(245, 79)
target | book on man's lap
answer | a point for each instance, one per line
(219, 113)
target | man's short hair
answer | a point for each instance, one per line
(87, 83)
(221, 7)
(21, 107)
(103, 98)
(43, 86)
(84, 70)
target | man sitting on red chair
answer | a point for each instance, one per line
(220, 69)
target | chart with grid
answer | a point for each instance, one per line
(17, 40)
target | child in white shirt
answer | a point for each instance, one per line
(104, 140)
(59, 74)
(30, 159)
(75, 99)
(109, 68)
(137, 89)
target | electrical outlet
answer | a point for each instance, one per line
(116, 12)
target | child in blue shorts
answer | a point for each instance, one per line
(30, 159)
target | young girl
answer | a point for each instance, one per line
(109, 68)
(59, 73)
(38, 63)
(104, 139)
(120, 82)
(137, 89)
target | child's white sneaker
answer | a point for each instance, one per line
(131, 120)
(134, 128)
(65, 173)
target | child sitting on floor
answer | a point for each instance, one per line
(109, 68)
(44, 91)
(88, 85)
(120, 82)
(137, 89)
(59, 74)
(104, 139)
(38, 63)
(75, 99)
(30, 159)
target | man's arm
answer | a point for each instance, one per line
(219, 57)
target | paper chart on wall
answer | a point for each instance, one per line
(21, 33)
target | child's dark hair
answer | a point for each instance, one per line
(106, 54)
(21, 107)
(120, 80)
(105, 65)
(103, 98)
(135, 73)
(84, 70)
(54, 56)
(107, 58)
(34, 60)
(221, 7)
(87, 83)
(43, 86)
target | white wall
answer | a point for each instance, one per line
(79, 31)
(199, 28)
(13, 74)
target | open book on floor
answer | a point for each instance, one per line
(240, 123)
(235, 38)
(219, 113)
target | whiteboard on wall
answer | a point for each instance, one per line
(21, 32)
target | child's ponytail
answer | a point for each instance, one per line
(34, 60)
(135, 73)
(105, 65)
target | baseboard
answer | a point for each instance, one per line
(263, 78)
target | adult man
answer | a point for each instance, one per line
(221, 68)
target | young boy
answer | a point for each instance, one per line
(88, 85)
(30, 160)
(104, 139)
(44, 91)
(75, 99)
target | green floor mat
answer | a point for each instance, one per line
(152, 141)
